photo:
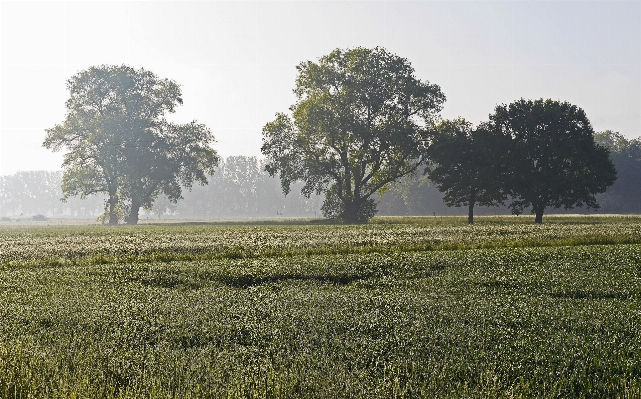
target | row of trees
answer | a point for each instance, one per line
(418, 195)
(623, 196)
(362, 121)
(539, 154)
(241, 188)
(39, 192)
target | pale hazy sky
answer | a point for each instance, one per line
(236, 61)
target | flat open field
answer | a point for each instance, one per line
(401, 307)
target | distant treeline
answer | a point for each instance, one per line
(240, 188)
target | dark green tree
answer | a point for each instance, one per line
(554, 161)
(468, 165)
(361, 121)
(119, 142)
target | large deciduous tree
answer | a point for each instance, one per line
(468, 164)
(361, 121)
(119, 142)
(555, 161)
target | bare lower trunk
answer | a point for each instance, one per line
(113, 217)
(133, 215)
(470, 210)
(358, 211)
(351, 214)
(539, 216)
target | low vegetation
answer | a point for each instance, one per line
(425, 307)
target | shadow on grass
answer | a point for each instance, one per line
(169, 281)
(247, 281)
(595, 294)
(244, 222)
(186, 282)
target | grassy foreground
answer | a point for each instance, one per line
(398, 308)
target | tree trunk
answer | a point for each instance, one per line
(355, 211)
(113, 217)
(539, 216)
(133, 215)
(350, 213)
(470, 211)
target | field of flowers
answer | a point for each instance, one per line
(383, 310)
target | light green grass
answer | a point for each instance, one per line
(383, 310)
(50, 246)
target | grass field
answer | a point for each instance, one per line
(401, 307)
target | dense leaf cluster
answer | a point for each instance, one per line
(361, 121)
(541, 154)
(120, 143)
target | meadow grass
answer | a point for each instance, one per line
(404, 309)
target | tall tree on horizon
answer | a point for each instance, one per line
(468, 164)
(361, 121)
(555, 161)
(119, 142)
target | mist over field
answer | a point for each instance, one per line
(320, 199)
(242, 189)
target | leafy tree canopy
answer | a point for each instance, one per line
(361, 121)
(119, 142)
(469, 165)
(555, 161)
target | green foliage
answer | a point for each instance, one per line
(533, 321)
(333, 208)
(554, 161)
(469, 165)
(120, 143)
(360, 122)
